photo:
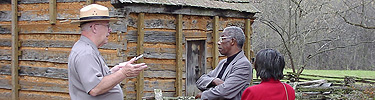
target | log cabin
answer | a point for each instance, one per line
(178, 39)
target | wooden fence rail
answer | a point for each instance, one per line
(309, 86)
(334, 79)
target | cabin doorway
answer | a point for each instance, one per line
(195, 64)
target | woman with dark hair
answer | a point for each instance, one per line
(269, 65)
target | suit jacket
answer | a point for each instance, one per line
(236, 79)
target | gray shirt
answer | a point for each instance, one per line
(86, 68)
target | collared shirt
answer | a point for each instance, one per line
(230, 59)
(86, 68)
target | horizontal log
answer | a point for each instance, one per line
(65, 10)
(193, 34)
(65, 28)
(5, 83)
(5, 29)
(29, 83)
(48, 55)
(5, 42)
(156, 21)
(313, 82)
(36, 84)
(191, 22)
(59, 28)
(5, 54)
(59, 44)
(358, 78)
(45, 1)
(5, 94)
(365, 81)
(291, 73)
(324, 76)
(161, 67)
(33, 95)
(55, 55)
(58, 73)
(43, 41)
(333, 79)
(321, 89)
(160, 74)
(168, 9)
(153, 37)
(40, 64)
(47, 72)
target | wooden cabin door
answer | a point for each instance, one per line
(195, 64)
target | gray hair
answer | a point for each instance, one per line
(237, 33)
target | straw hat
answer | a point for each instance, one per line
(93, 12)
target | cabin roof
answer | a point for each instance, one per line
(237, 5)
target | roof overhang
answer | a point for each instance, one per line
(188, 7)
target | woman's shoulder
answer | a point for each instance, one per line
(254, 87)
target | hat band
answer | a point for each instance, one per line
(94, 17)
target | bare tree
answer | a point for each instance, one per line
(316, 34)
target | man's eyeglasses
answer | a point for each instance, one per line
(223, 38)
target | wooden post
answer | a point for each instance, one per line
(215, 36)
(15, 53)
(247, 45)
(141, 34)
(252, 55)
(52, 12)
(89, 2)
(179, 51)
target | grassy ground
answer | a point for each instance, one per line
(340, 73)
(332, 73)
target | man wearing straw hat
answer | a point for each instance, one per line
(88, 74)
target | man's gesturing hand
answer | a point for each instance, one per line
(130, 70)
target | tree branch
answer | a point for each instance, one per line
(356, 24)
(338, 47)
(351, 9)
(319, 41)
(271, 24)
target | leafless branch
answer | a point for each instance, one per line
(319, 41)
(356, 24)
(351, 9)
(338, 47)
(276, 28)
(321, 47)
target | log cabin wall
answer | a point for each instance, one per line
(44, 47)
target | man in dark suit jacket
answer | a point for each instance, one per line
(233, 74)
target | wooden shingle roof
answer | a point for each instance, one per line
(210, 4)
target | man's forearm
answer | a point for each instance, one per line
(107, 83)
